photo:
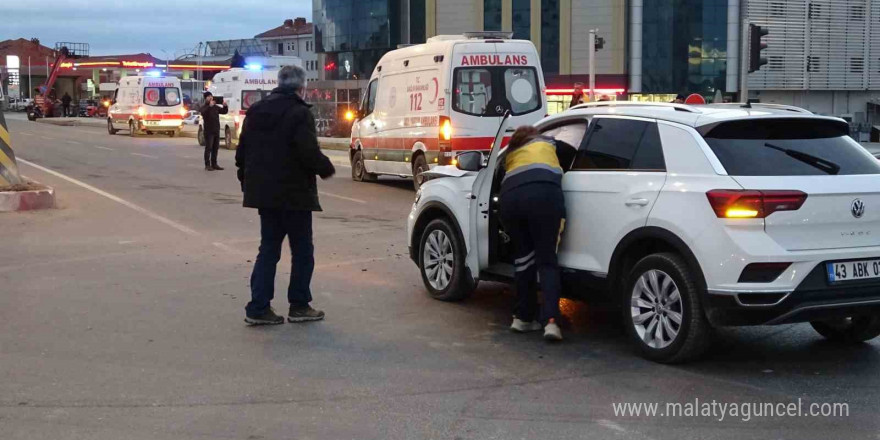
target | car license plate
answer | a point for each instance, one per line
(853, 270)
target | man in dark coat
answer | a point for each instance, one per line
(65, 104)
(278, 158)
(211, 112)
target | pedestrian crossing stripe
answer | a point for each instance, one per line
(8, 168)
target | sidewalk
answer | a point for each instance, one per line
(190, 131)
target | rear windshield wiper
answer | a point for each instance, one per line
(817, 162)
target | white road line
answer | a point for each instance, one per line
(337, 196)
(103, 148)
(144, 155)
(116, 199)
(74, 142)
(47, 138)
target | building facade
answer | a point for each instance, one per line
(293, 38)
(823, 55)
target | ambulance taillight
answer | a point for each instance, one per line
(446, 154)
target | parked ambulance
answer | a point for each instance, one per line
(240, 88)
(426, 103)
(147, 104)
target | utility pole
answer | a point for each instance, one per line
(592, 46)
(30, 86)
(744, 62)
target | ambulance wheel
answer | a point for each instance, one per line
(110, 128)
(173, 133)
(201, 136)
(359, 171)
(420, 165)
(228, 134)
(132, 128)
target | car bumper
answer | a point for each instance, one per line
(813, 299)
(162, 125)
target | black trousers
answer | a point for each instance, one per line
(212, 145)
(66, 110)
(274, 226)
(532, 214)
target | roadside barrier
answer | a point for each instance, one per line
(8, 166)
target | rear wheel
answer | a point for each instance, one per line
(201, 136)
(663, 310)
(228, 135)
(420, 165)
(441, 262)
(849, 330)
(110, 128)
(132, 128)
(358, 169)
(173, 133)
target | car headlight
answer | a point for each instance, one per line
(418, 197)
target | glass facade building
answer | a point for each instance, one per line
(522, 19)
(684, 46)
(550, 36)
(492, 15)
(354, 35)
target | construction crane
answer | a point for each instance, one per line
(65, 51)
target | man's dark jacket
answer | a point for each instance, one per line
(211, 117)
(278, 155)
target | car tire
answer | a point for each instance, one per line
(201, 136)
(132, 128)
(110, 128)
(227, 136)
(849, 330)
(658, 336)
(358, 169)
(420, 165)
(173, 133)
(444, 279)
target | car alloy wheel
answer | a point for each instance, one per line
(439, 259)
(656, 309)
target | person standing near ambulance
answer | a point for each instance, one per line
(533, 214)
(211, 112)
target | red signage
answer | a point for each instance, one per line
(260, 81)
(143, 64)
(695, 98)
(494, 60)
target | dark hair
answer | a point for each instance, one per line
(522, 136)
(207, 94)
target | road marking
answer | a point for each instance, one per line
(144, 155)
(337, 196)
(116, 199)
(47, 138)
(225, 247)
(74, 142)
(103, 148)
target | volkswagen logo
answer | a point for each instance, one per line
(858, 208)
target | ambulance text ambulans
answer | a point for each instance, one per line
(426, 103)
(147, 104)
(240, 88)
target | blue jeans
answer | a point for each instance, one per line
(274, 226)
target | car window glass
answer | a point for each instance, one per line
(621, 144)
(568, 138)
(649, 155)
(522, 90)
(371, 97)
(473, 90)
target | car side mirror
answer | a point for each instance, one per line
(470, 161)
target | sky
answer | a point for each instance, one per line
(114, 27)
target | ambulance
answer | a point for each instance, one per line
(426, 103)
(147, 104)
(240, 88)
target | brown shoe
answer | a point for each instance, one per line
(218, 167)
(303, 314)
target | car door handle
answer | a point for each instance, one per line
(637, 202)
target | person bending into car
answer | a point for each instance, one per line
(211, 112)
(277, 161)
(533, 214)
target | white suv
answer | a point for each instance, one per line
(691, 217)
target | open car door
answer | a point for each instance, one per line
(480, 199)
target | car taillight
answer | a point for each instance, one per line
(142, 111)
(731, 203)
(183, 112)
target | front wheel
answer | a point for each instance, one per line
(663, 310)
(441, 262)
(201, 136)
(228, 138)
(173, 133)
(420, 165)
(358, 169)
(132, 128)
(849, 330)
(110, 128)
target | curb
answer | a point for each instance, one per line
(97, 123)
(11, 201)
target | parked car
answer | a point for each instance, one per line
(192, 118)
(689, 217)
(19, 105)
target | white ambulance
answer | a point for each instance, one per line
(147, 104)
(428, 102)
(240, 88)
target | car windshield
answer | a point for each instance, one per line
(788, 147)
(162, 96)
(491, 91)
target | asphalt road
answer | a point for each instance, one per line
(121, 318)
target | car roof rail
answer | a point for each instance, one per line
(790, 108)
(677, 107)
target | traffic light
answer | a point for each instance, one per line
(756, 46)
(600, 43)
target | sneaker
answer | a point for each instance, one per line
(521, 326)
(552, 332)
(303, 314)
(267, 318)
(217, 167)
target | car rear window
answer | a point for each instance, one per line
(788, 147)
(491, 91)
(162, 96)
